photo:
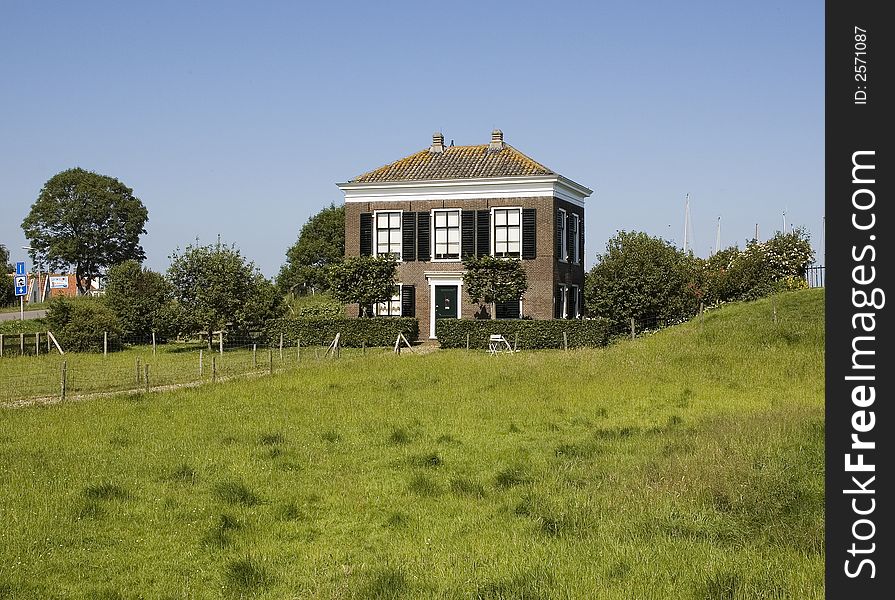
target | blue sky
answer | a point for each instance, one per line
(238, 119)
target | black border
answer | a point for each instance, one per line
(852, 127)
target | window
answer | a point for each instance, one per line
(574, 297)
(508, 310)
(447, 234)
(562, 240)
(389, 308)
(576, 241)
(507, 232)
(560, 299)
(388, 234)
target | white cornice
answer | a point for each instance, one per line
(532, 186)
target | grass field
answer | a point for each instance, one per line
(685, 464)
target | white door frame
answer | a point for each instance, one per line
(454, 278)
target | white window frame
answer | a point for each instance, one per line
(433, 234)
(396, 297)
(494, 230)
(562, 217)
(575, 254)
(575, 289)
(564, 313)
(376, 214)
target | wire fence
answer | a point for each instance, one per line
(32, 370)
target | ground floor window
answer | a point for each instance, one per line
(508, 310)
(391, 307)
(574, 302)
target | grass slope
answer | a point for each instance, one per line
(686, 464)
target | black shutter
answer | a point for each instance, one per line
(408, 236)
(571, 237)
(581, 241)
(529, 236)
(422, 236)
(483, 232)
(560, 221)
(408, 301)
(573, 303)
(507, 310)
(467, 241)
(557, 302)
(366, 234)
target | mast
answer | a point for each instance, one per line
(718, 237)
(686, 221)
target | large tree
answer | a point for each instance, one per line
(88, 220)
(321, 242)
(363, 280)
(217, 288)
(489, 280)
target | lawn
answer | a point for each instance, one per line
(684, 464)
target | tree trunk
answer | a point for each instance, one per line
(79, 273)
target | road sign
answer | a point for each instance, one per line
(20, 268)
(58, 283)
(21, 285)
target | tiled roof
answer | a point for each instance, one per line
(457, 162)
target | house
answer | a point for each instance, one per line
(434, 207)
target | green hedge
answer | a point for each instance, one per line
(532, 334)
(355, 332)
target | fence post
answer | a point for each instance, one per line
(565, 341)
(49, 348)
(270, 361)
(701, 316)
(633, 329)
(36, 343)
(1, 345)
(254, 356)
(153, 342)
(363, 347)
(22, 343)
(281, 347)
(64, 376)
(298, 350)
(467, 341)
(515, 341)
(214, 369)
(105, 343)
(137, 361)
(146, 376)
(221, 341)
(200, 363)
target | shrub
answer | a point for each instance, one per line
(644, 278)
(79, 324)
(141, 299)
(532, 335)
(377, 331)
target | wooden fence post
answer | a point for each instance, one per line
(137, 362)
(254, 356)
(1, 345)
(281, 347)
(22, 343)
(200, 362)
(467, 341)
(221, 342)
(633, 330)
(565, 340)
(153, 342)
(298, 350)
(105, 343)
(146, 376)
(37, 343)
(214, 369)
(270, 361)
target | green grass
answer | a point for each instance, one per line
(685, 464)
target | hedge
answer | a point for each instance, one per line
(381, 331)
(532, 334)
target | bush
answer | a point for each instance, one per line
(376, 331)
(644, 278)
(316, 305)
(79, 324)
(141, 299)
(532, 335)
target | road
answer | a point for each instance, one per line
(29, 314)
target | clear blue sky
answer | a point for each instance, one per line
(239, 118)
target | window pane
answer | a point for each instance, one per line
(513, 217)
(453, 219)
(513, 234)
(441, 236)
(501, 235)
(440, 219)
(513, 247)
(500, 217)
(453, 235)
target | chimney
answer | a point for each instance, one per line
(437, 143)
(496, 144)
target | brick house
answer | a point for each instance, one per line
(433, 207)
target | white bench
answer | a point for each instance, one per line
(498, 343)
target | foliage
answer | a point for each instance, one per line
(4, 259)
(88, 220)
(489, 279)
(79, 324)
(363, 280)
(7, 290)
(314, 305)
(215, 288)
(379, 331)
(762, 268)
(15, 326)
(321, 242)
(141, 299)
(528, 334)
(644, 278)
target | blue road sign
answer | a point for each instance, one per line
(21, 285)
(20, 268)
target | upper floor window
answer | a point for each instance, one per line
(507, 232)
(575, 225)
(388, 234)
(447, 234)
(562, 238)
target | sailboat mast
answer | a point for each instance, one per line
(686, 221)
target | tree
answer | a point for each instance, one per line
(644, 278)
(215, 287)
(364, 280)
(489, 280)
(7, 284)
(4, 259)
(88, 220)
(321, 242)
(141, 299)
(83, 324)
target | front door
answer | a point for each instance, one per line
(446, 302)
